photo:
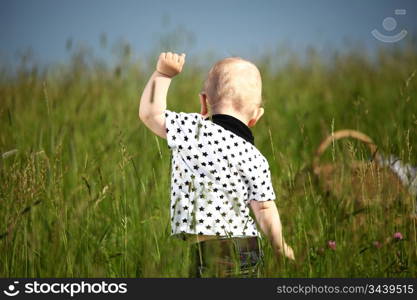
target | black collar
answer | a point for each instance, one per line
(234, 125)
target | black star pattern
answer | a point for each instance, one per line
(215, 173)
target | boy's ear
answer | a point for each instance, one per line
(204, 106)
(256, 116)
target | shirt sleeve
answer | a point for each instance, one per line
(181, 128)
(260, 184)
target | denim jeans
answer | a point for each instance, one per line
(227, 257)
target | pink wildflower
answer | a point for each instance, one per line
(331, 245)
(398, 236)
(377, 244)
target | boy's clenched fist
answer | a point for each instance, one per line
(170, 64)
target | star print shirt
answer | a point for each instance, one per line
(214, 175)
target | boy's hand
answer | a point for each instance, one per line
(170, 64)
(288, 252)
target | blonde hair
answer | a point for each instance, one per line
(236, 81)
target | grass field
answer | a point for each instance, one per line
(84, 186)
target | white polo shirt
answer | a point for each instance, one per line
(214, 175)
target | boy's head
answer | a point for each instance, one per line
(233, 85)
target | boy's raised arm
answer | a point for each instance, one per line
(267, 216)
(154, 97)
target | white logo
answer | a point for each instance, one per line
(71, 289)
(389, 24)
(12, 290)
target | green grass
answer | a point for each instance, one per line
(86, 193)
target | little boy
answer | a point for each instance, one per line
(217, 172)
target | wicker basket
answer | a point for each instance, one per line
(359, 183)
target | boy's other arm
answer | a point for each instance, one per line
(267, 216)
(154, 97)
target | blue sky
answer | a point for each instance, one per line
(246, 28)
